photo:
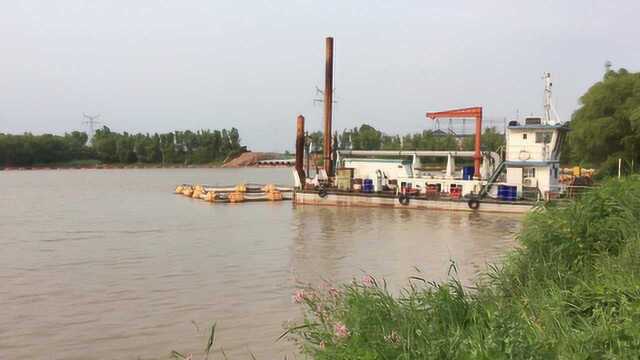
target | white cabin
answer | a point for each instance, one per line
(367, 168)
(533, 155)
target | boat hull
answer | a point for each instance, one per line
(386, 201)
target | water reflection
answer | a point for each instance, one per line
(337, 243)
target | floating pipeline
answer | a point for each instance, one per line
(235, 193)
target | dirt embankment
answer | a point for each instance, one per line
(249, 158)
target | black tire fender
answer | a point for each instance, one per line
(403, 199)
(322, 192)
(474, 204)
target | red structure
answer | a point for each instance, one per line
(466, 113)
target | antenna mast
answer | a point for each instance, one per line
(549, 109)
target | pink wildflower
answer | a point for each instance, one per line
(298, 296)
(189, 356)
(334, 292)
(368, 281)
(341, 330)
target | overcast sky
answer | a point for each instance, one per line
(162, 65)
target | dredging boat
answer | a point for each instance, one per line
(524, 174)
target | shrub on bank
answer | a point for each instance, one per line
(571, 291)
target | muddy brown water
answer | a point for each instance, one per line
(109, 264)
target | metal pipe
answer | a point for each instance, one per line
(328, 104)
(307, 154)
(300, 148)
(438, 153)
(477, 157)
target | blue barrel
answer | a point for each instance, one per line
(503, 192)
(367, 185)
(467, 172)
(507, 193)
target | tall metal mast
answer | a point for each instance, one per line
(91, 121)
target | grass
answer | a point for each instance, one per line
(571, 291)
(175, 355)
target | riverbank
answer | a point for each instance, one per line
(240, 160)
(571, 291)
(100, 166)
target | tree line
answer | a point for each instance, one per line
(367, 137)
(178, 147)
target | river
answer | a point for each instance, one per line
(109, 264)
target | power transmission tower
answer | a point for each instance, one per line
(320, 93)
(91, 121)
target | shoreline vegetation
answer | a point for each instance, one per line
(109, 148)
(81, 165)
(97, 165)
(572, 290)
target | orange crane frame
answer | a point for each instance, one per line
(465, 113)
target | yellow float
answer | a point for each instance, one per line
(274, 195)
(236, 197)
(210, 196)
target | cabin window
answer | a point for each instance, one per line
(528, 172)
(524, 136)
(543, 137)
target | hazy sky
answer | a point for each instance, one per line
(162, 65)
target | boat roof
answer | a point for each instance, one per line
(366, 160)
(538, 127)
(530, 163)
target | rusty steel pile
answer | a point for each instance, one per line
(235, 194)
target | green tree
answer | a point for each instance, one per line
(607, 124)
(317, 144)
(367, 138)
(104, 143)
